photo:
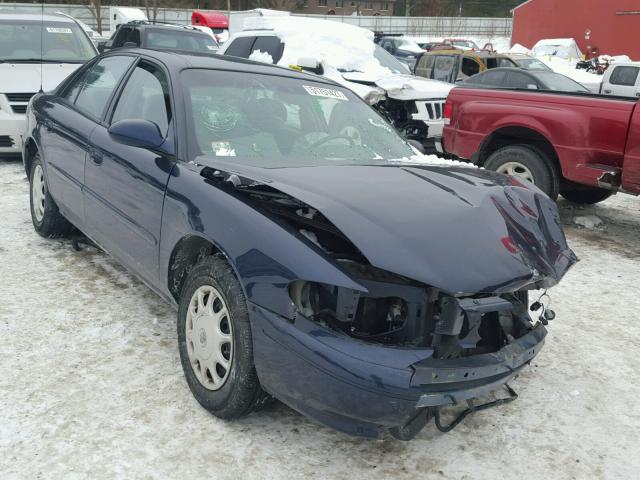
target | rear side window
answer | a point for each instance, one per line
(95, 87)
(493, 79)
(271, 45)
(624, 76)
(443, 68)
(520, 81)
(240, 47)
(424, 66)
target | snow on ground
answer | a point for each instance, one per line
(91, 384)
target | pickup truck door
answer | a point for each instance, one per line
(66, 126)
(125, 185)
(624, 80)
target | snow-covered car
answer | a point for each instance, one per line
(347, 54)
(355, 281)
(29, 63)
(404, 49)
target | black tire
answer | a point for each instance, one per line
(585, 195)
(52, 224)
(240, 394)
(541, 167)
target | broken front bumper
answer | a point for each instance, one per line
(361, 388)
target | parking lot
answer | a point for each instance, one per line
(91, 383)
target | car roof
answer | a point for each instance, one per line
(168, 26)
(180, 59)
(49, 17)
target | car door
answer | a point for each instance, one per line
(67, 124)
(624, 80)
(125, 185)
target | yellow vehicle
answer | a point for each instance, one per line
(454, 65)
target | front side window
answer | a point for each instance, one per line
(145, 96)
(470, 67)
(95, 87)
(271, 45)
(271, 122)
(624, 76)
(33, 41)
(493, 79)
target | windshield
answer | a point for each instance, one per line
(273, 121)
(389, 61)
(63, 42)
(179, 39)
(555, 81)
(531, 64)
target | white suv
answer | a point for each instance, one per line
(346, 54)
(37, 52)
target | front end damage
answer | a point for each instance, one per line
(391, 350)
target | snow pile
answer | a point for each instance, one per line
(568, 68)
(517, 48)
(260, 56)
(558, 47)
(589, 221)
(342, 46)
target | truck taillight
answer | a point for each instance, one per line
(448, 112)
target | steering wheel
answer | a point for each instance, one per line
(328, 138)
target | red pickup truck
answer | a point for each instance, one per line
(584, 147)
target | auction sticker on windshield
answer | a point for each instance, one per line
(325, 92)
(58, 30)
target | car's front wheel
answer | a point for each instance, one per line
(215, 343)
(47, 219)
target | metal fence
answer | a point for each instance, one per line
(427, 26)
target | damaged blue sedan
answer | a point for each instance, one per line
(311, 256)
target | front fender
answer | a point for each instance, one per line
(265, 255)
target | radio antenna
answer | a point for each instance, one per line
(41, 41)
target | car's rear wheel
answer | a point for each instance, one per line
(527, 163)
(215, 343)
(584, 194)
(45, 215)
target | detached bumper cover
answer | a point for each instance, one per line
(361, 388)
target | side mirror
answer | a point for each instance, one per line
(101, 46)
(310, 64)
(139, 133)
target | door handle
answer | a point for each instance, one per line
(607, 91)
(637, 94)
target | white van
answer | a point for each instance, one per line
(37, 52)
(622, 79)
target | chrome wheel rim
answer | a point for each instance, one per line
(209, 337)
(516, 169)
(38, 193)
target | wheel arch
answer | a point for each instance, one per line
(518, 135)
(186, 253)
(29, 150)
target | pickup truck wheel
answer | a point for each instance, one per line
(527, 163)
(585, 195)
(214, 340)
(47, 219)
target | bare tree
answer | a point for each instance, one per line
(95, 7)
(151, 7)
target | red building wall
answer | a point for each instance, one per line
(612, 33)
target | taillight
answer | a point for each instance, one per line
(448, 112)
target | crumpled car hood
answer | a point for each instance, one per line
(402, 87)
(463, 230)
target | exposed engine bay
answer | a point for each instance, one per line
(394, 311)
